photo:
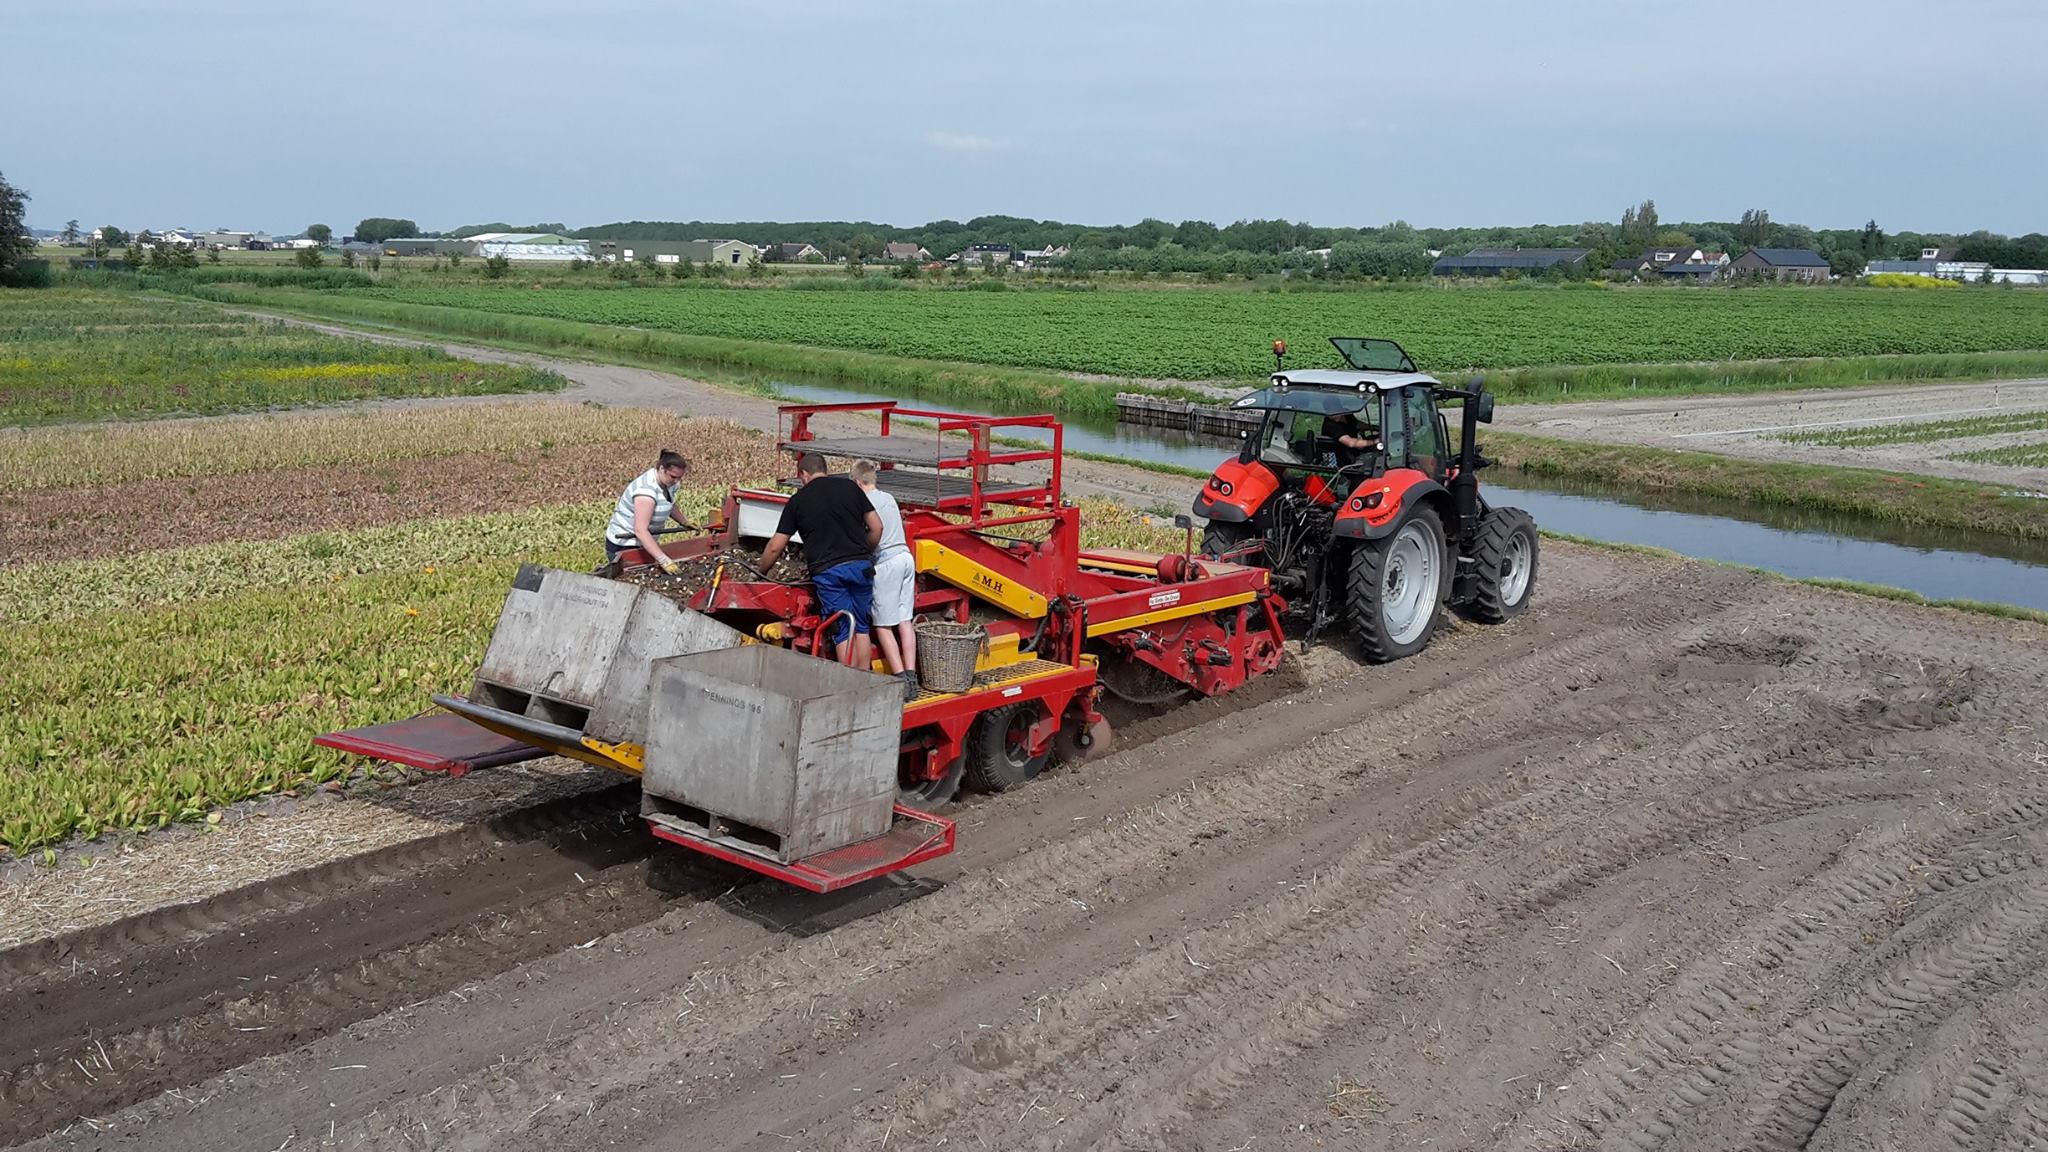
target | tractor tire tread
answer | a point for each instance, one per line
(1497, 529)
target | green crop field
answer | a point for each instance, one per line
(71, 355)
(1196, 334)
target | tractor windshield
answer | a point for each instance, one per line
(1313, 436)
(1371, 355)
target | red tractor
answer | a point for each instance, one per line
(1350, 491)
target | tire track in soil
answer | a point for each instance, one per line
(1705, 1031)
(1286, 960)
(1794, 746)
(113, 1015)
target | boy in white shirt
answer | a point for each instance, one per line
(895, 583)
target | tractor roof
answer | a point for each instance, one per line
(1351, 379)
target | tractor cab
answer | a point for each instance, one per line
(1323, 430)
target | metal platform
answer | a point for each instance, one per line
(936, 488)
(996, 677)
(434, 741)
(913, 837)
(927, 451)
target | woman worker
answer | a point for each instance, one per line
(647, 503)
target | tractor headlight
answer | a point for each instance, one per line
(1224, 487)
(1279, 383)
(1369, 500)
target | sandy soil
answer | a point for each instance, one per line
(1684, 858)
(1744, 425)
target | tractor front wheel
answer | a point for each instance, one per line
(1396, 589)
(1504, 559)
(999, 749)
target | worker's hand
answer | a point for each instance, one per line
(671, 567)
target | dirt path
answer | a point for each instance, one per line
(1747, 425)
(1685, 858)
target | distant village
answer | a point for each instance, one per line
(1698, 265)
(1681, 263)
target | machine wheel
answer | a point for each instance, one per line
(1396, 591)
(931, 795)
(1504, 556)
(997, 757)
(1220, 537)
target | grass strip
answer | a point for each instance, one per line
(81, 356)
(1918, 432)
(1549, 383)
(1886, 496)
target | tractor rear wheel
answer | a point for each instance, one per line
(1396, 589)
(1504, 557)
(1221, 538)
(999, 750)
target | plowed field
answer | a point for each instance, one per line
(1684, 858)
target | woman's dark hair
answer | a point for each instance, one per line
(672, 459)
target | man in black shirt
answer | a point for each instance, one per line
(840, 531)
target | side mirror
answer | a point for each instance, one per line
(1485, 412)
(1183, 521)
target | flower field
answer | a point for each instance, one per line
(71, 355)
(152, 687)
(1209, 334)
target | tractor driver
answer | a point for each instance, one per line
(840, 531)
(1350, 441)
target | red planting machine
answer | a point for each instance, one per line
(754, 746)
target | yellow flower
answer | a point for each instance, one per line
(412, 611)
(430, 569)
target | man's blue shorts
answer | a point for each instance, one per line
(848, 588)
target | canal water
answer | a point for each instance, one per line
(1939, 564)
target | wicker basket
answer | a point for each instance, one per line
(947, 653)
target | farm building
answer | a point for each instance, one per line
(794, 252)
(977, 253)
(428, 246)
(901, 250)
(227, 238)
(1678, 262)
(1937, 262)
(529, 246)
(1495, 261)
(728, 252)
(1781, 264)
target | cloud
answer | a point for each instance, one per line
(964, 142)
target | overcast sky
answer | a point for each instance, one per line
(273, 114)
